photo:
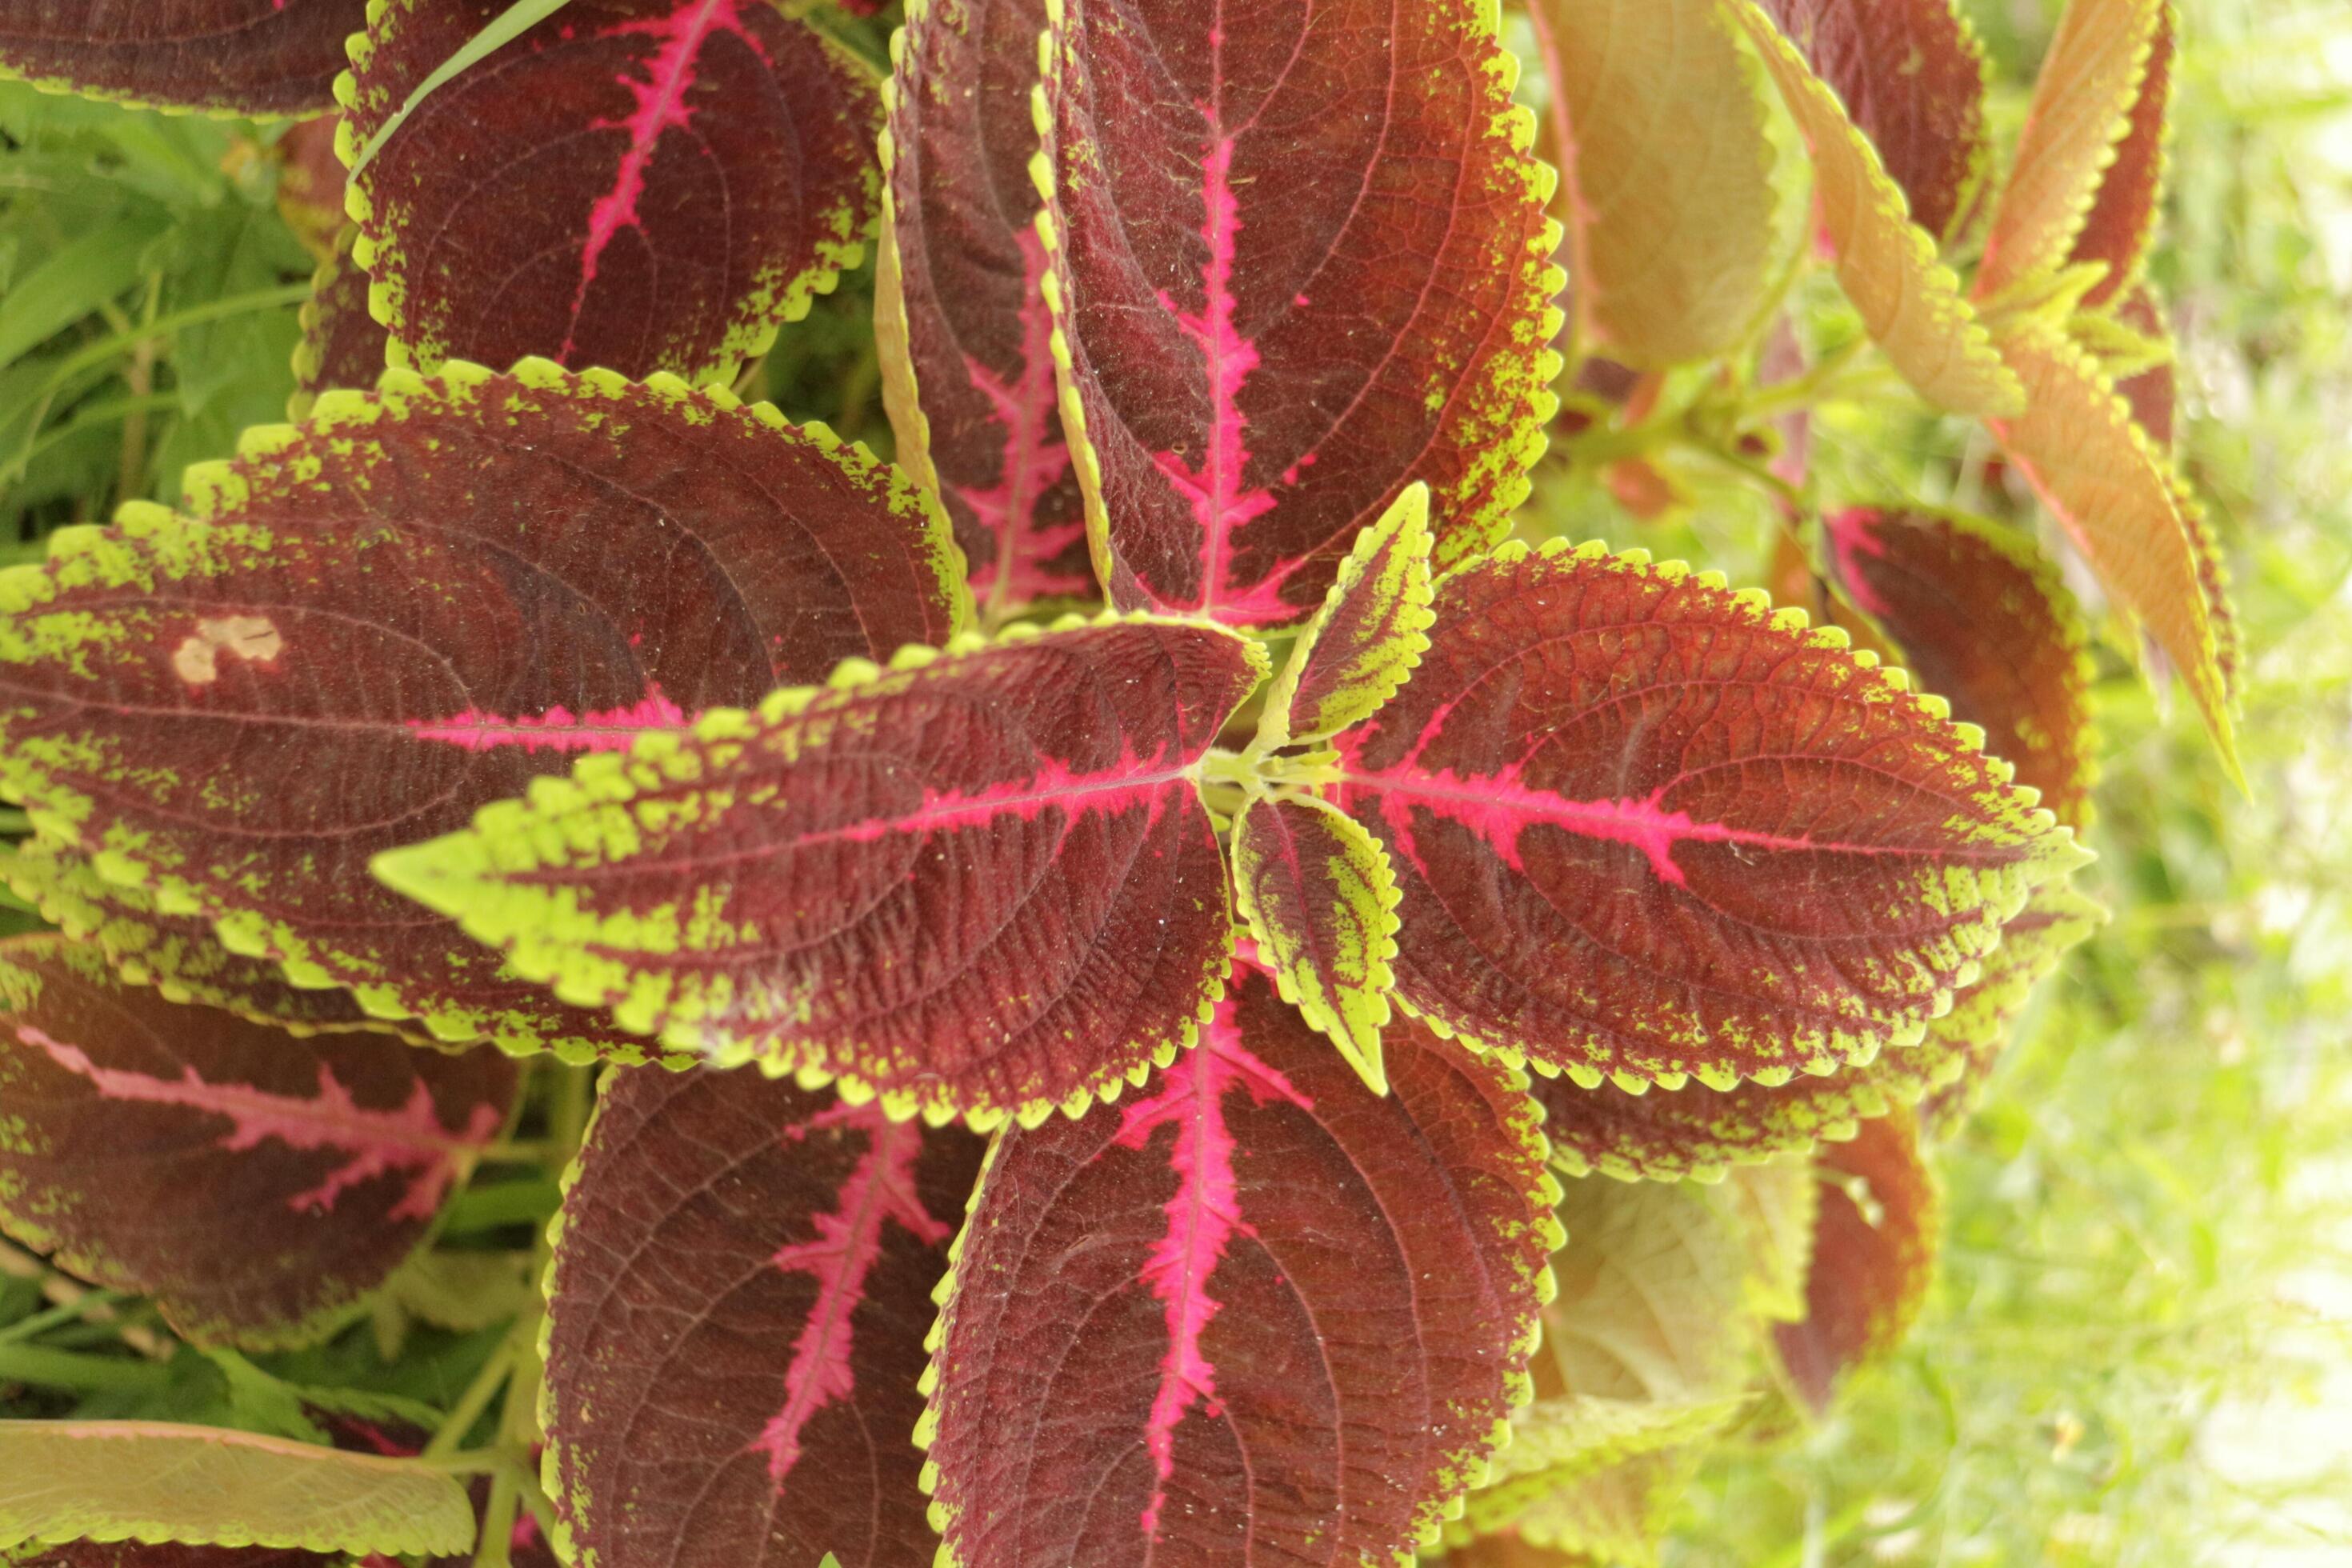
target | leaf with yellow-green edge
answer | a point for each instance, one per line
(1320, 901)
(1700, 1132)
(2104, 480)
(2140, 326)
(1616, 1513)
(225, 56)
(369, 626)
(141, 1554)
(145, 1481)
(2121, 224)
(980, 883)
(342, 345)
(1365, 641)
(2082, 110)
(1665, 190)
(1910, 302)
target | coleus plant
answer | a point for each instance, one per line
(1281, 1009)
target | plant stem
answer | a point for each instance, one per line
(473, 1402)
(46, 1368)
(64, 1312)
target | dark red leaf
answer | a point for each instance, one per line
(256, 1185)
(2122, 219)
(742, 1283)
(242, 57)
(960, 308)
(2154, 393)
(642, 184)
(1875, 1245)
(1255, 1313)
(412, 606)
(1648, 827)
(310, 183)
(984, 884)
(1912, 77)
(342, 345)
(1302, 261)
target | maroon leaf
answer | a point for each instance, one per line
(960, 308)
(1301, 261)
(140, 1555)
(1255, 1314)
(2154, 393)
(412, 606)
(742, 1283)
(2122, 219)
(983, 885)
(241, 56)
(1875, 1245)
(1647, 827)
(1983, 620)
(643, 185)
(256, 1185)
(1912, 77)
(310, 183)
(342, 345)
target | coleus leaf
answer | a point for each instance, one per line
(1696, 1132)
(231, 57)
(1250, 213)
(64, 1482)
(1985, 621)
(1320, 901)
(2121, 224)
(742, 1288)
(342, 345)
(140, 1555)
(2083, 107)
(1910, 302)
(2104, 480)
(1506, 1549)
(371, 625)
(1613, 1513)
(2154, 393)
(1875, 1247)
(1650, 828)
(256, 1185)
(1366, 638)
(310, 183)
(1911, 76)
(982, 884)
(959, 306)
(1255, 1312)
(640, 184)
(1669, 215)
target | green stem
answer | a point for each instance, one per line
(42, 1322)
(473, 1402)
(46, 1368)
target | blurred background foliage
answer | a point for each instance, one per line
(2141, 1348)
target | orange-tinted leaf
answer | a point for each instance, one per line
(2122, 219)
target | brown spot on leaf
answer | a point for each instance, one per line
(251, 638)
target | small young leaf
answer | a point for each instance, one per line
(1911, 76)
(1255, 1313)
(1320, 901)
(1874, 1249)
(1650, 827)
(230, 57)
(1363, 643)
(2056, 921)
(638, 186)
(742, 1284)
(2104, 480)
(1983, 620)
(1909, 301)
(255, 1184)
(984, 885)
(2121, 220)
(415, 604)
(117, 1480)
(2083, 106)
(1665, 175)
(1299, 260)
(342, 345)
(959, 306)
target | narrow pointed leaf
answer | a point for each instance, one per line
(341, 345)
(2154, 393)
(1909, 301)
(1648, 827)
(1365, 639)
(640, 186)
(1875, 1247)
(2106, 482)
(412, 606)
(2083, 108)
(231, 57)
(118, 1481)
(255, 1184)
(984, 885)
(1984, 621)
(1911, 76)
(1253, 1312)
(742, 1283)
(1698, 1131)
(2121, 224)
(1300, 261)
(1320, 901)
(1665, 185)
(960, 307)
